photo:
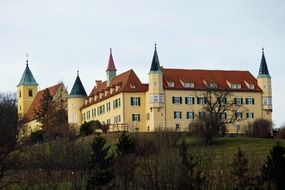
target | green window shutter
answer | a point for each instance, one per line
(247, 115)
(173, 99)
(235, 101)
(186, 100)
(139, 117)
(132, 101)
(193, 100)
(241, 100)
(252, 100)
(139, 101)
(180, 100)
(246, 101)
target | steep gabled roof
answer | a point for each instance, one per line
(263, 69)
(29, 116)
(77, 90)
(27, 78)
(199, 77)
(127, 82)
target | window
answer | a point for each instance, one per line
(188, 85)
(213, 85)
(238, 101)
(177, 115)
(170, 84)
(117, 119)
(116, 103)
(88, 115)
(235, 86)
(267, 101)
(74, 117)
(20, 94)
(156, 99)
(249, 101)
(135, 117)
(189, 100)
(223, 100)
(239, 115)
(177, 126)
(135, 101)
(190, 115)
(251, 86)
(108, 106)
(108, 121)
(176, 99)
(201, 100)
(84, 116)
(30, 93)
(93, 112)
(202, 115)
(250, 115)
(223, 116)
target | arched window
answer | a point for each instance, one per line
(30, 92)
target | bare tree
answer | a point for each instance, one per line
(220, 109)
(8, 136)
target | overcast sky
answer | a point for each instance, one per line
(63, 35)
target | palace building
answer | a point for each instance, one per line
(172, 99)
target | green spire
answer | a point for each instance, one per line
(77, 90)
(263, 69)
(155, 66)
(27, 77)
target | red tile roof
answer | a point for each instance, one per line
(127, 82)
(219, 77)
(29, 116)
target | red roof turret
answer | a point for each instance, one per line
(111, 66)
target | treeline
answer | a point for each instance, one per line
(154, 161)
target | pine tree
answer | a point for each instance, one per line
(44, 113)
(273, 170)
(101, 171)
(126, 160)
(240, 170)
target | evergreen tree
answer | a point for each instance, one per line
(240, 170)
(126, 160)
(101, 171)
(45, 111)
(273, 171)
(191, 174)
(126, 145)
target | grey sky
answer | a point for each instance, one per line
(61, 36)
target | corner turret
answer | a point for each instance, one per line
(156, 95)
(75, 101)
(264, 82)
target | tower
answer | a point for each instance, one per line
(75, 101)
(27, 90)
(264, 82)
(156, 95)
(111, 69)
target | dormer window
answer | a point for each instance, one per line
(188, 85)
(251, 86)
(101, 95)
(111, 90)
(90, 99)
(117, 88)
(132, 86)
(213, 85)
(170, 84)
(235, 86)
(106, 93)
(96, 97)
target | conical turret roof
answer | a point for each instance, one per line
(111, 65)
(27, 77)
(77, 90)
(155, 66)
(263, 69)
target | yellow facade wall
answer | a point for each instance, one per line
(24, 100)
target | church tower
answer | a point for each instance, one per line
(111, 69)
(156, 95)
(75, 101)
(264, 82)
(27, 90)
